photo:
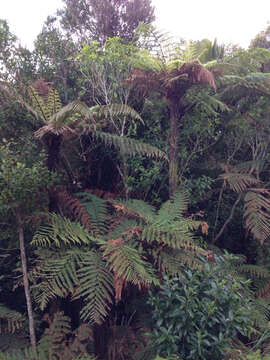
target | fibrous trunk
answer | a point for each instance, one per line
(173, 156)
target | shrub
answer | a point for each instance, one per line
(196, 316)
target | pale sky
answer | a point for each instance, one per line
(231, 21)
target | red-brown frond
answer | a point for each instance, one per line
(101, 193)
(75, 207)
(41, 86)
(198, 74)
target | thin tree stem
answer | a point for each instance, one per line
(25, 280)
(228, 220)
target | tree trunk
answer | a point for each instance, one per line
(25, 280)
(173, 156)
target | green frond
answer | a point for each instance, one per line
(173, 209)
(255, 271)
(10, 320)
(125, 261)
(53, 103)
(239, 182)
(62, 121)
(58, 275)
(97, 209)
(54, 338)
(136, 208)
(128, 146)
(121, 227)
(176, 236)
(38, 104)
(95, 286)
(101, 111)
(257, 213)
(27, 354)
(61, 231)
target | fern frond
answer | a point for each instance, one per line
(101, 111)
(127, 263)
(239, 182)
(87, 208)
(135, 208)
(173, 209)
(14, 320)
(61, 231)
(257, 213)
(75, 207)
(58, 275)
(128, 146)
(39, 104)
(61, 122)
(255, 271)
(54, 339)
(96, 287)
(97, 210)
(53, 103)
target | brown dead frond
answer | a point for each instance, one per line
(197, 74)
(76, 208)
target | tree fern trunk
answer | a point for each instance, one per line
(25, 280)
(173, 156)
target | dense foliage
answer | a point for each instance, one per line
(129, 165)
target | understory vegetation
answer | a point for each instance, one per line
(134, 191)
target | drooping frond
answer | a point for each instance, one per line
(173, 261)
(68, 202)
(10, 320)
(128, 146)
(95, 286)
(239, 182)
(127, 265)
(257, 213)
(61, 231)
(104, 111)
(58, 275)
(63, 121)
(254, 271)
(54, 339)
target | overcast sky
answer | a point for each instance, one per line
(231, 21)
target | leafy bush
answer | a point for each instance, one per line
(196, 316)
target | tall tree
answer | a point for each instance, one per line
(99, 20)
